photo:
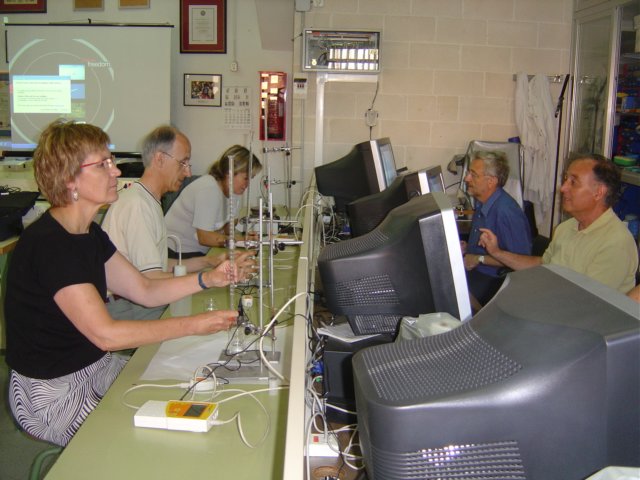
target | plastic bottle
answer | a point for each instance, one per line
(181, 307)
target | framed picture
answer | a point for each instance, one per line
(88, 5)
(133, 3)
(23, 6)
(202, 90)
(203, 26)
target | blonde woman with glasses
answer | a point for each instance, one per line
(59, 332)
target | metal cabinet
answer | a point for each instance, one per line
(605, 109)
(344, 51)
(597, 33)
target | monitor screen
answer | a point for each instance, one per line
(409, 264)
(387, 160)
(542, 383)
(366, 213)
(368, 168)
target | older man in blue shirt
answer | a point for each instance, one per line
(496, 210)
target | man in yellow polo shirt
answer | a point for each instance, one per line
(594, 241)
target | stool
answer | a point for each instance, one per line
(36, 467)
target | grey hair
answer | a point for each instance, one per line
(495, 164)
(160, 139)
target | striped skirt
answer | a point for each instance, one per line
(54, 409)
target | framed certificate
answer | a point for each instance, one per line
(203, 26)
(23, 6)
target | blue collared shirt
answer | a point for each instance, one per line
(503, 216)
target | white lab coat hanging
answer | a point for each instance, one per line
(537, 128)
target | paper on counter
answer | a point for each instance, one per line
(343, 332)
(178, 359)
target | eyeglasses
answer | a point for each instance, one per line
(476, 175)
(183, 163)
(106, 163)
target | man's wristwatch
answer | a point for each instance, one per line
(481, 259)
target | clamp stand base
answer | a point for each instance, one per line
(246, 367)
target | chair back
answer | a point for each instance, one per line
(170, 197)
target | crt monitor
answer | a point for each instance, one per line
(424, 181)
(368, 168)
(408, 265)
(366, 213)
(542, 383)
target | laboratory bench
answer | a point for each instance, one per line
(108, 445)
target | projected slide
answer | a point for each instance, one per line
(115, 77)
(41, 94)
(48, 87)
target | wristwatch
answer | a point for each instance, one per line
(480, 258)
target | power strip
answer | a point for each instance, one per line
(323, 446)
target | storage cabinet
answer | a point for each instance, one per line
(605, 114)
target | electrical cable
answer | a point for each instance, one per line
(237, 415)
(148, 385)
(266, 329)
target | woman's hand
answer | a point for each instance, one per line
(214, 321)
(247, 264)
(242, 268)
(215, 260)
(224, 274)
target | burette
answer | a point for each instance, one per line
(232, 238)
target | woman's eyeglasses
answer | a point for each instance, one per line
(106, 163)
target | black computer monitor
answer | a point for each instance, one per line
(368, 168)
(423, 181)
(366, 213)
(542, 383)
(409, 264)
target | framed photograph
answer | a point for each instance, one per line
(23, 6)
(202, 90)
(203, 26)
(88, 5)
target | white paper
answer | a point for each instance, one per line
(178, 359)
(342, 332)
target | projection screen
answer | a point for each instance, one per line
(117, 77)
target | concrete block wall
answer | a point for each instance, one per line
(447, 74)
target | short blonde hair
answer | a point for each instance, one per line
(61, 150)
